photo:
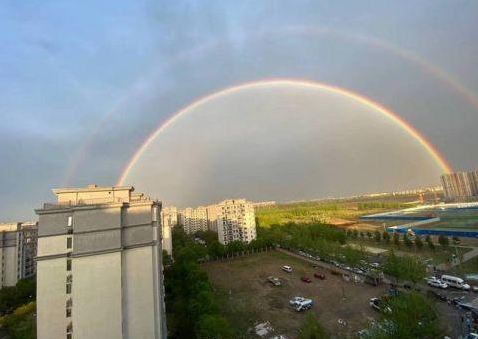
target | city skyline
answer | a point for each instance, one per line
(81, 94)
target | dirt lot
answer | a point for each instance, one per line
(248, 298)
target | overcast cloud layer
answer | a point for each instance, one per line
(108, 73)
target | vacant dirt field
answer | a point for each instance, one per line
(248, 298)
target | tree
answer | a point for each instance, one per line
(21, 323)
(418, 242)
(429, 241)
(377, 236)
(404, 268)
(311, 329)
(355, 234)
(213, 326)
(369, 234)
(413, 317)
(396, 239)
(456, 240)
(443, 240)
(407, 241)
(386, 237)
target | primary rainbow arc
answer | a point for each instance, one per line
(405, 125)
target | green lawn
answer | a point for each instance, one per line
(438, 256)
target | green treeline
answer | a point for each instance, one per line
(369, 205)
(21, 324)
(17, 307)
(192, 310)
(12, 297)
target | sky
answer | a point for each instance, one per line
(82, 84)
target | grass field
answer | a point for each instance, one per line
(321, 211)
(248, 298)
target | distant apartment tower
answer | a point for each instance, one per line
(460, 186)
(262, 204)
(99, 266)
(193, 219)
(169, 219)
(235, 221)
(18, 249)
(212, 217)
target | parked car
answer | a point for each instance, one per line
(296, 300)
(437, 283)
(375, 265)
(474, 289)
(306, 279)
(471, 336)
(301, 303)
(274, 281)
(319, 275)
(287, 269)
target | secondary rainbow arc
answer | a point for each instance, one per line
(405, 125)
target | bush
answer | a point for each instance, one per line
(12, 297)
(443, 240)
(21, 324)
(311, 329)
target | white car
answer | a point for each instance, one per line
(287, 269)
(296, 300)
(437, 283)
(472, 336)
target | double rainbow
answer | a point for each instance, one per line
(406, 126)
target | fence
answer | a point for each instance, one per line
(234, 255)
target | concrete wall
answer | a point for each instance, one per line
(138, 296)
(96, 295)
(53, 224)
(85, 220)
(51, 245)
(10, 269)
(51, 298)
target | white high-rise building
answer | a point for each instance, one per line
(99, 266)
(235, 221)
(193, 219)
(18, 249)
(169, 219)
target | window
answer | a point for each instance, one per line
(68, 264)
(68, 288)
(69, 331)
(70, 221)
(68, 312)
(68, 242)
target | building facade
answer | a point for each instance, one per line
(460, 186)
(235, 221)
(169, 219)
(193, 219)
(99, 266)
(18, 249)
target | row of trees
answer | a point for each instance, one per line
(324, 241)
(398, 240)
(193, 311)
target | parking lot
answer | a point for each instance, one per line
(248, 298)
